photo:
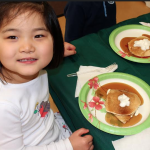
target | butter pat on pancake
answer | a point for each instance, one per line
(138, 50)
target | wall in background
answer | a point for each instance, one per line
(58, 6)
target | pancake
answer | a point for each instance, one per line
(137, 51)
(124, 118)
(112, 103)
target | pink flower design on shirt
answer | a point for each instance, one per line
(93, 83)
(97, 103)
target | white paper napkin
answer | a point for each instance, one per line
(145, 24)
(147, 3)
(140, 141)
(87, 72)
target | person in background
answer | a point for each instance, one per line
(85, 17)
(31, 41)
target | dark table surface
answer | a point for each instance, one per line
(92, 50)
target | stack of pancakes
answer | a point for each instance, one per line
(137, 51)
(112, 104)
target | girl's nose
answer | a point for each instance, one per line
(27, 47)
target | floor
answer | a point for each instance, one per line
(125, 10)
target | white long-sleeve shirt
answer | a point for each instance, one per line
(26, 120)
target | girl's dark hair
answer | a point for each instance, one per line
(10, 10)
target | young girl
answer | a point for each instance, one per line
(30, 40)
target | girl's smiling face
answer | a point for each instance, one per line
(26, 46)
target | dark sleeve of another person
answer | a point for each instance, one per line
(111, 13)
(75, 20)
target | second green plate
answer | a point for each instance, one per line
(127, 31)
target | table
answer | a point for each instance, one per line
(93, 50)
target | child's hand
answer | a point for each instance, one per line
(81, 142)
(69, 49)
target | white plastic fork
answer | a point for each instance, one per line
(108, 68)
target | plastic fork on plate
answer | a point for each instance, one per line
(108, 68)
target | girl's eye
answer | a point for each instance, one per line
(12, 37)
(39, 36)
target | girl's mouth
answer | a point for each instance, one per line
(27, 60)
(23, 60)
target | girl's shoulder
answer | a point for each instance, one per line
(7, 107)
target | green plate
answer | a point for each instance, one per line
(127, 31)
(97, 117)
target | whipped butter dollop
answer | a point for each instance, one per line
(136, 113)
(124, 100)
(144, 44)
(108, 91)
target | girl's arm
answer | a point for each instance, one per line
(11, 136)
